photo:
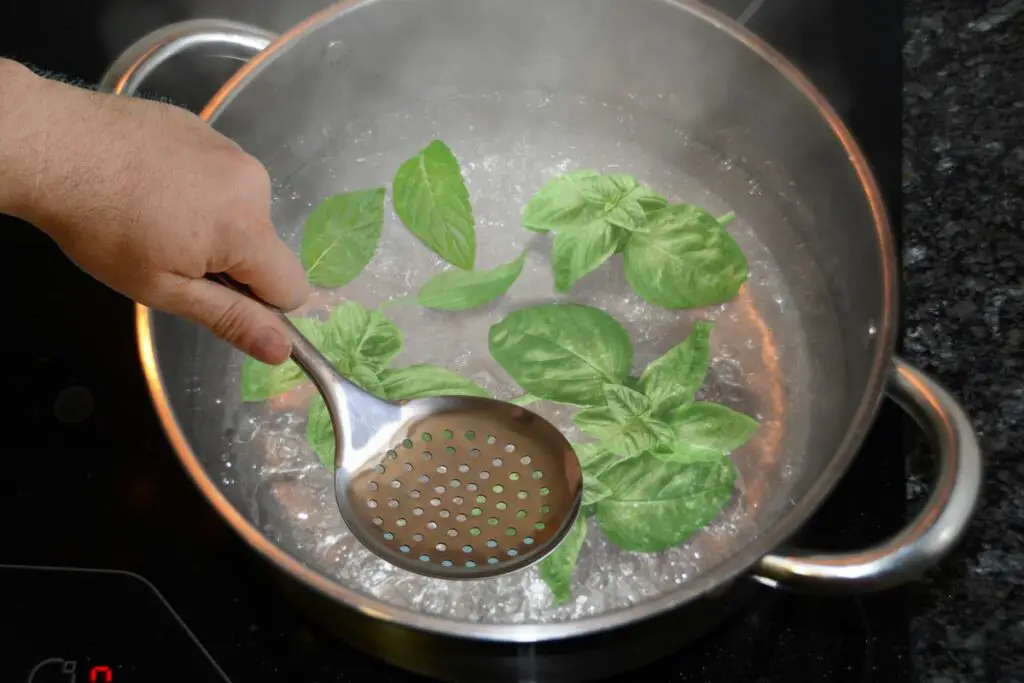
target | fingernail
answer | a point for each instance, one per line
(271, 346)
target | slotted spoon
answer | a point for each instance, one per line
(452, 487)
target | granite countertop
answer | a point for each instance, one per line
(963, 214)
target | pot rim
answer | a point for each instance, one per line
(691, 590)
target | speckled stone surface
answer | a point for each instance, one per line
(963, 227)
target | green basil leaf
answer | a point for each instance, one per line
(356, 336)
(651, 201)
(687, 260)
(712, 426)
(419, 381)
(431, 198)
(672, 380)
(560, 203)
(657, 505)
(341, 235)
(562, 352)
(594, 490)
(622, 241)
(626, 404)
(368, 378)
(261, 381)
(683, 453)
(624, 425)
(575, 252)
(594, 458)
(628, 437)
(320, 431)
(457, 290)
(623, 201)
(556, 569)
(726, 219)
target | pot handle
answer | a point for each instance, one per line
(931, 535)
(129, 71)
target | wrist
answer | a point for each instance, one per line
(19, 96)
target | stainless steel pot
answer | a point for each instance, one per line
(671, 91)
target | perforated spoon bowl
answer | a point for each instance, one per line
(452, 487)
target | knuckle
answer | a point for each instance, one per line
(253, 173)
(230, 323)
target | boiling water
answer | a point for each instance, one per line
(509, 145)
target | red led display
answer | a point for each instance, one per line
(101, 674)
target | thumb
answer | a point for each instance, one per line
(245, 324)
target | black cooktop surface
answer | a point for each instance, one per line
(115, 569)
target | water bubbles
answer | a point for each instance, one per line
(288, 493)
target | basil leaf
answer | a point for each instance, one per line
(712, 426)
(623, 201)
(560, 203)
(650, 202)
(657, 505)
(687, 260)
(320, 431)
(683, 453)
(630, 437)
(622, 241)
(625, 425)
(261, 381)
(356, 336)
(366, 377)
(672, 380)
(340, 236)
(578, 251)
(556, 569)
(431, 198)
(594, 490)
(594, 458)
(457, 290)
(418, 381)
(625, 404)
(593, 461)
(562, 352)
(726, 219)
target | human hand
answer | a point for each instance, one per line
(148, 199)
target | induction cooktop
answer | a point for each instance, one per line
(113, 568)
